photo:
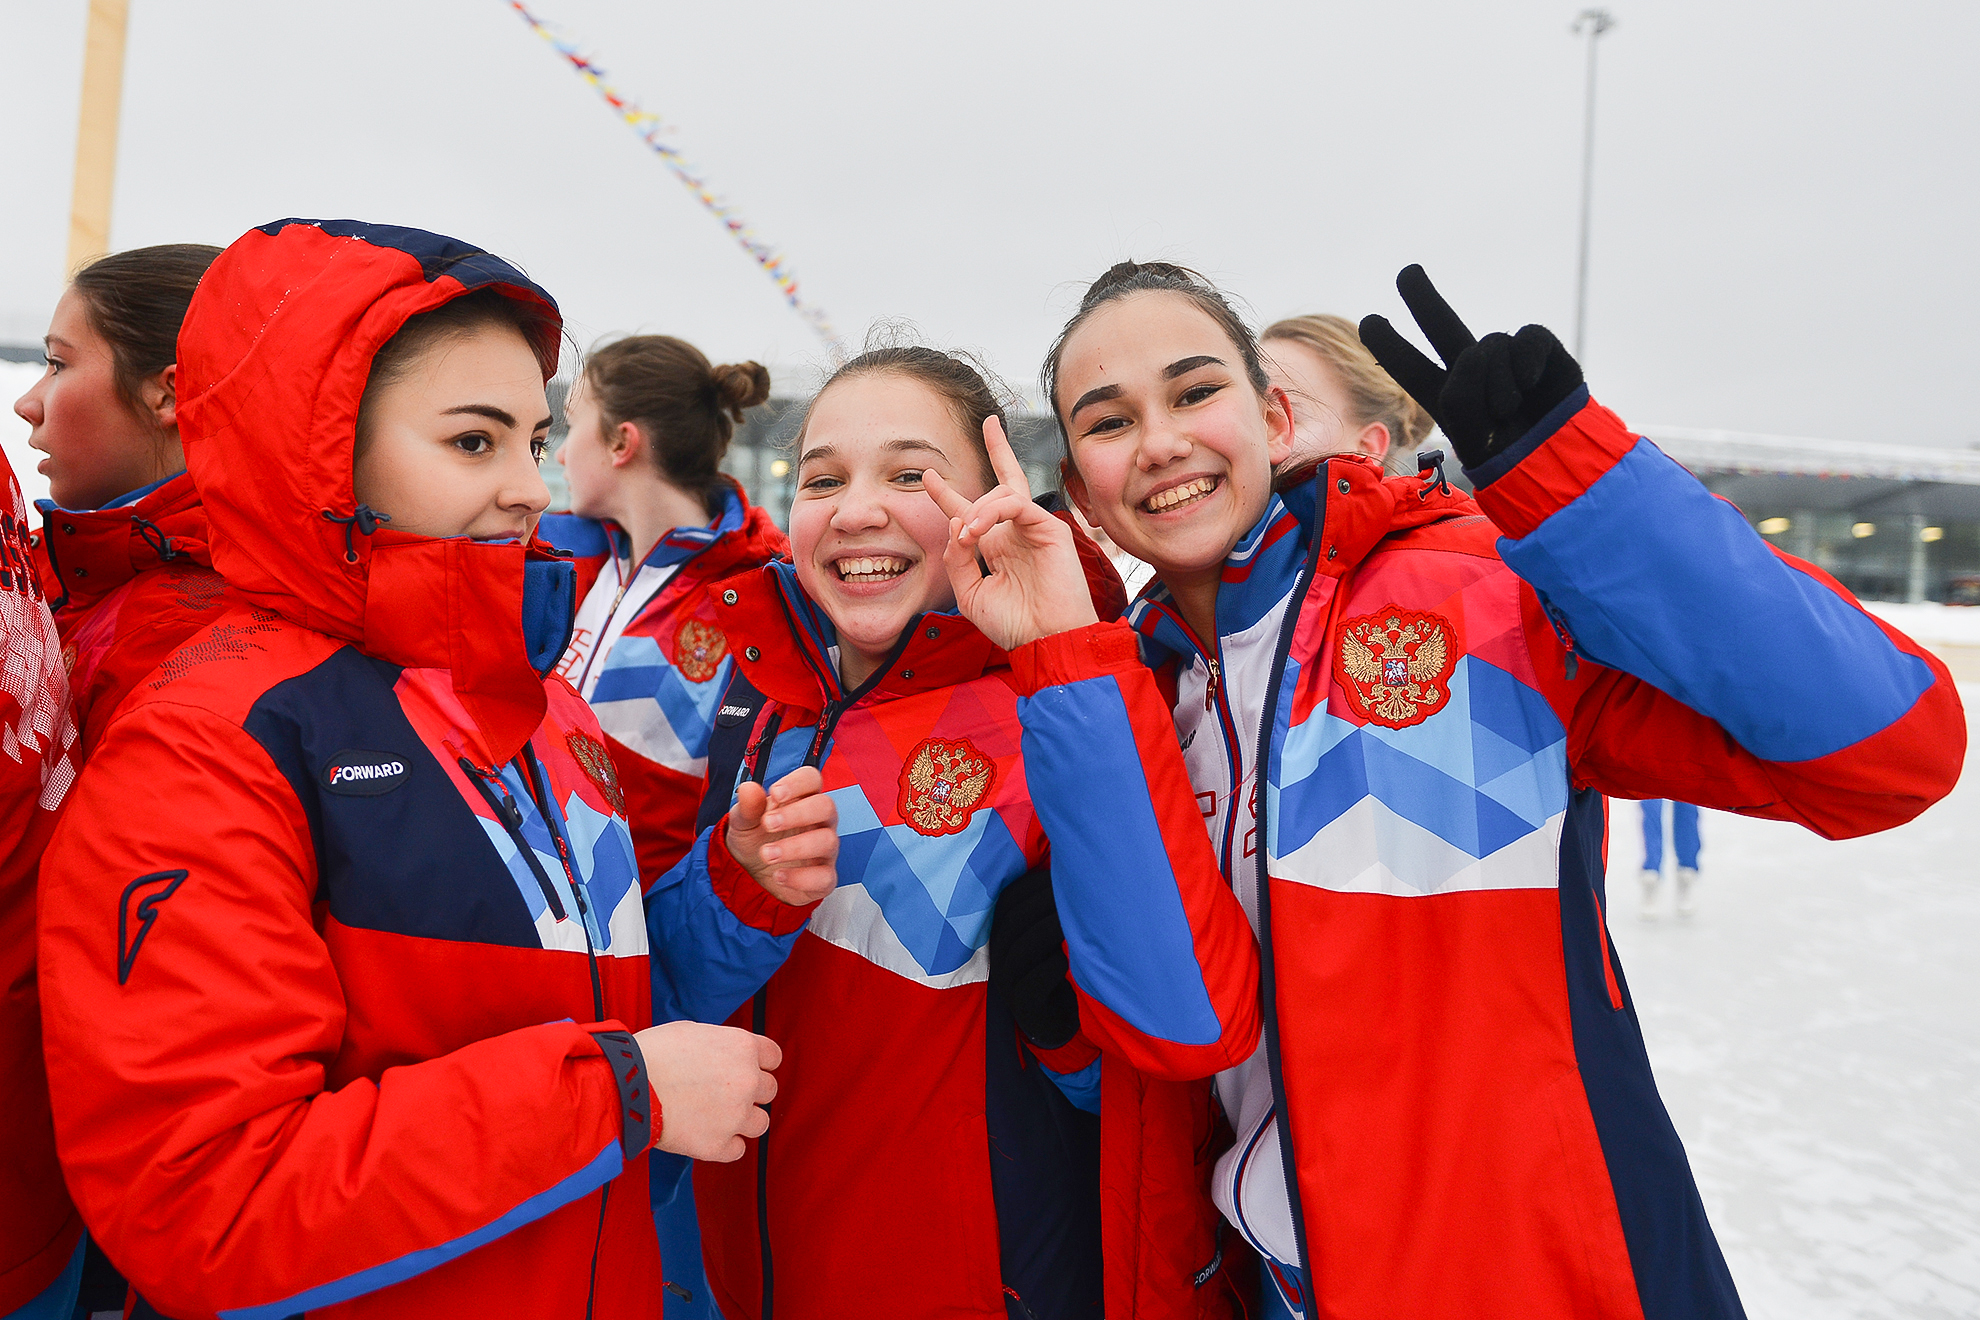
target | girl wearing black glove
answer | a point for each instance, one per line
(1399, 710)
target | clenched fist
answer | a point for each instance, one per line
(709, 1083)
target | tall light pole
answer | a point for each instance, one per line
(1593, 23)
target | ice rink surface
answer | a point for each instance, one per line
(1816, 1035)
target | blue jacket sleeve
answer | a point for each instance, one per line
(1161, 954)
(716, 937)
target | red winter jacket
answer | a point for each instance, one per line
(127, 585)
(648, 655)
(341, 922)
(39, 1228)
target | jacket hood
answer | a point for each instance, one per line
(88, 553)
(274, 354)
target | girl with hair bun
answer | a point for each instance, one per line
(1401, 710)
(122, 549)
(653, 522)
(1342, 400)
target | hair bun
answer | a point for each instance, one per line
(740, 385)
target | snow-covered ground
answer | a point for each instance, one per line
(1930, 622)
(1816, 1032)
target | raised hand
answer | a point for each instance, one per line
(709, 1084)
(1496, 389)
(787, 838)
(1016, 572)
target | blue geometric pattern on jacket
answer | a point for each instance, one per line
(637, 671)
(601, 851)
(937, 894)
(1486, 770)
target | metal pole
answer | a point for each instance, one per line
(96, 131)
(1594, 22)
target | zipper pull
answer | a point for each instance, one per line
(1210, 688)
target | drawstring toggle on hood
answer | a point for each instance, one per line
(364, 519)
(1430, 466)
(156, 539)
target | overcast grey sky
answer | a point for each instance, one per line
(1785, 192)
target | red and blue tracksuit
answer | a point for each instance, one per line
(128, 583)
(40, 1231)
(1452, 1112)
(648, 655)
(919, 1161)
(341, 931)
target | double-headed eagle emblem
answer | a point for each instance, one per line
(596, 762)
(941, 783)
(699, 649)
(1395, 665)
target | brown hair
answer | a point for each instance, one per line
(1128, 277)
(136, 300)
(960, 380)
(539, 326)
(1372, 392)
(687, 409)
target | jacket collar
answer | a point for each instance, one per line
(92, 552)
(742, 535)
(791, 654)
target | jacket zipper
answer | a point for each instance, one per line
(510, 814)
(1268, 719)
(759, 1013)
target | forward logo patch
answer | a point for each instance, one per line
(354, 773)
(148, 895)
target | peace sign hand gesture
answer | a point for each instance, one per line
(1034, 585)
(1495, 390)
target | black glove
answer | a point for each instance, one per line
(1497, 388)
(1028, 969)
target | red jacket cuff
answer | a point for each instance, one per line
(750, 902)
(1070, 1057)
(1068, 657)
(1558, 470)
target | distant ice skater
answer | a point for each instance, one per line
(1684, 839)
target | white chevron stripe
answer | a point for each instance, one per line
(1369, 849)
(851, 919)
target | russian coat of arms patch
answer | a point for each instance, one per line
(942, 780)
(1395, 665)
(699, 649)
(596, 763)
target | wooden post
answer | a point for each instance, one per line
(96, 131)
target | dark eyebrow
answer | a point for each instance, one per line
(492, 413)
(905, 443)
(1183, 366)
(50, 341)
(1101, 395)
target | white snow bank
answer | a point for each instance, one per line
(1814, 1038)
(16, 379)
(1930, 622)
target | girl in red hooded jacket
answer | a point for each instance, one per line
(345, 972)
(122, 545)
(924, 1158)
